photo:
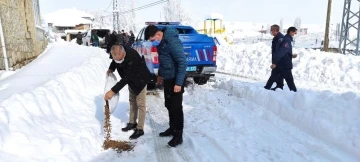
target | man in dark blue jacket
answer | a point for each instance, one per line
(278, 36)
(282, 62)
(172, 72)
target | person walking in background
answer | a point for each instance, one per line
(278, 36)
(282, 62)
(134, 73)
(172, 72)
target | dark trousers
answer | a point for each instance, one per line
(280, 82)
(173, 102)
(278, 74)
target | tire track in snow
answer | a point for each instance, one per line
(163, 154)
(213, 145)
(167, 154)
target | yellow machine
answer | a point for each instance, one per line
(213, 26)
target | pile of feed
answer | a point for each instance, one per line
(118, 146)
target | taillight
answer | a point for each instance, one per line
(214, 53)
(154, 55)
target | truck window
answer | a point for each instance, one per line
(186, 31)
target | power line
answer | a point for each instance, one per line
(109, 5)
(145, 6)
(141, 7)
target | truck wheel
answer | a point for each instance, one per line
(201, 80)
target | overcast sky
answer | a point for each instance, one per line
(266, 11)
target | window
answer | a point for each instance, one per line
(37, 12)
(140, 36)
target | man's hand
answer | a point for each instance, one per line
(159, 80)
(273, 66)
(177, 88)
(294, 55)
(109, 95)
(108, 72)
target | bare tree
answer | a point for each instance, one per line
(127, 15)
(173, 11)
(297, 23)
(101, 20)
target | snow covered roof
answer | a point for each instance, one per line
(68, 17)
(214, 16)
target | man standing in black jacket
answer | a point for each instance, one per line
(134, 73)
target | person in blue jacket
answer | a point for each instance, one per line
(172, 74)
(282, 62)
(275, 31)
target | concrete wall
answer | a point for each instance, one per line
(23, 40)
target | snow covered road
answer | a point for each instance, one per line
(59, 118)
(221, 126)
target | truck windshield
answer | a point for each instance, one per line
(186, 31)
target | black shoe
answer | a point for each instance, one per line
(137, 134)
(277, 87)
(129, 126)
(168, 132)
(177, 139)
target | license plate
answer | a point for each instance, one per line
(191, 68)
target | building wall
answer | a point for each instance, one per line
(82, 27)
(23, 40)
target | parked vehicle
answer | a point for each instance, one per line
(200, 51)
(100, 32)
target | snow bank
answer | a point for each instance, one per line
(56, 120)
(332, 117)
(311, 68)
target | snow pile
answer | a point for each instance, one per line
(331, 117)
(53, 115)
(312, 68)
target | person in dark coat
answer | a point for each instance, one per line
(132, 38)
(172, 72)
(134, 73)
(79, 37)
(282, 64)
(275, 45)
(107, 42)
(119, 38)
(112, 41)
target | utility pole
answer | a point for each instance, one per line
(326, 40)
(116, 24)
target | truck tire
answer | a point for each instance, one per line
(201, 80)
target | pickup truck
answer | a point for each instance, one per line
(100, 32)
(200, 51)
